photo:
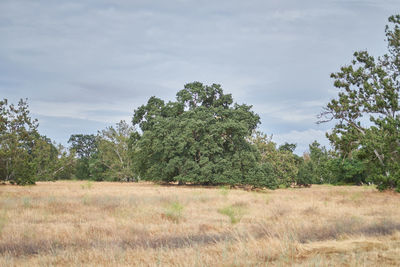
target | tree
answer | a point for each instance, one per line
(282, 160)
(287, 147)
(65, 164)
(200, 138)
(18, 132)
(319, 160)
(44, 157)
(84, 146)
(369, 88)
(113, 147)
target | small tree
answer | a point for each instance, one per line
(84, 146)
(17, 136)
(282, 162)
(113, 147)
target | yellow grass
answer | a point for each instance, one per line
(125, 224)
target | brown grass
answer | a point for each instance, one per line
(125, 224)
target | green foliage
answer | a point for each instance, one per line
(307, 174)
(315, 166)
(113, 146)
(234, 212)
(369, 88)
(320, 166)
(3, 220)
(18, 133)
(224, 190)
(277, 166)
(65, 164)
(348, 171)
(105, 156)
(200, 138)
(287, 147)
(87, 185)
(26, 202)
(174, 211)
(263, 175)
(25, 155)
(87, 165)
(84, 145)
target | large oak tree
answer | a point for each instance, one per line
(200, 138)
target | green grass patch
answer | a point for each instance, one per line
(174, 212)
(234, 212)
(3, 220)
(224, 190)
(87, 185)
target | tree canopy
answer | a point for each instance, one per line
(25, 155)
(367, 111)
(200, 138)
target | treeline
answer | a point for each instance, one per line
(27, 156)
(203, 137)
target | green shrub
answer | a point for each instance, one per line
(263, 175)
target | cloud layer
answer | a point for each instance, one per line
(87, 64)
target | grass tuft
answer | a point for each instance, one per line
(224, 190)
(174, 212)
(3, 220)
(234, 212)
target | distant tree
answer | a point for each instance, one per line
(307, 174)
(84, 146)
(65, 165)
(287, 147)
(18, 132)
(200, 138)
(44, 158)
(370, 89)
(282, 160)
(319, 159)
(113, 144)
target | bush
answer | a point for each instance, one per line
(263, 175)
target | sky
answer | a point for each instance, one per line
(87, 64)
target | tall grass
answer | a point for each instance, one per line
(139, 224)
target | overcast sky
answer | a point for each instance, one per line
(87, 64)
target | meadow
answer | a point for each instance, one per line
(75, 223)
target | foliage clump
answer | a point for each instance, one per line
(105, 156)
(25, 155)
(369, 89)
(234, 212)
(174, 212)
(200, 138)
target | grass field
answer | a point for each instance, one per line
(122, 224)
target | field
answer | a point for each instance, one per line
(124, 224)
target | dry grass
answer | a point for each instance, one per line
(125, 224)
